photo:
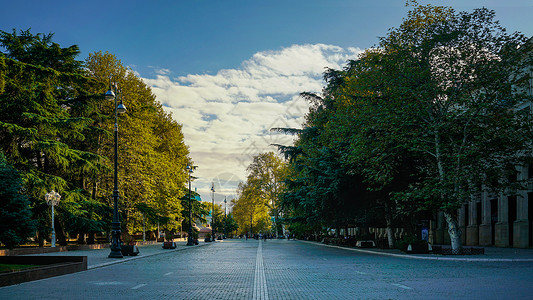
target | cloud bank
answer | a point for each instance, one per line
(226, 117)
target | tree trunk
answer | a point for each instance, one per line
(390, 237)
(454, 231)
(62, 239)
(95, 188)
(365, 233)
(388, 220)
(40, 238)
(91, 238)
(453, 227)
(81, 239)
(251, 224)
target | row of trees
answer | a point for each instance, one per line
(221, 221)
(258, 206)
(56, 133)
(416, 125)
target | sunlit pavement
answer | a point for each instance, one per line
(282, 269)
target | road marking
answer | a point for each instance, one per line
(168, 273)
(402, 286)
(138, 286)
(108, 283)
(359, 272)
(260, 287)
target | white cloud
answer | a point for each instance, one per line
(162, 71)
(226, 117)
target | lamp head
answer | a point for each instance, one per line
(109, 95)
(121, 108)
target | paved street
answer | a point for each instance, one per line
(281, 269)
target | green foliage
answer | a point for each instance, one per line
(16, 224)
(231, 224)
(81, 214)
(450, 84)
(250, 211)
(39, 50)
(417, 245)
(2, 72)
(38, 134)
(152, 153)
(199, 209)
(57, 130)
(423, 121)
(259, 197)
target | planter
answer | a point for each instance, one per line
(417, 248)
(365, 244)
(130, 250)
(169, 245)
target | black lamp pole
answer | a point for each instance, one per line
(189, 236)
(213, 213)
(115, 225)
(225, 217)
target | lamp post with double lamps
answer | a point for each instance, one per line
(53, 199)
(114, 94)
(213, 213)
(189, 233)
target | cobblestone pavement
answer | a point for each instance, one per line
(281, 269)
(98, 257)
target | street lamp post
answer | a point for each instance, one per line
(189, 235)
(115, 225)
(53, 199)
(225, 217)
(213, 212)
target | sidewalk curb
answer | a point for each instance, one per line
(426, 257)
(118, 260)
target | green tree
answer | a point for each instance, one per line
(199, 209)
(56, 129)
(250, 211)
(152, 153)
(38, 135)
(322, 189)
(16, 224)
(441, 87)
(266, 175)
(424, 121)
(230, 224)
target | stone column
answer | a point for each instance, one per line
(485, 229)
(502, 227)
(521, 225)
(472, 230)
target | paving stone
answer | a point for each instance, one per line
(281, 269)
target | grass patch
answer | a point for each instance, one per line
(13, 267)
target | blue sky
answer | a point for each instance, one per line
(229, 70)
